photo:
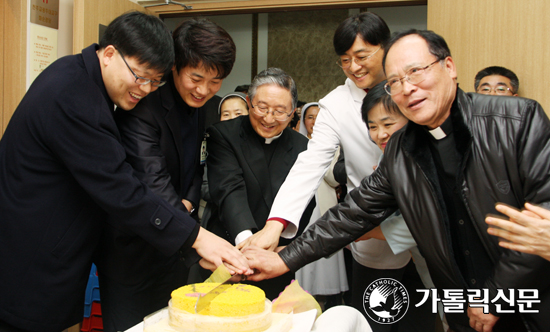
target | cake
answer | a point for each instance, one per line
(236, 300)
(239, 308)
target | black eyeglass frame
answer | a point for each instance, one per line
(141, 80)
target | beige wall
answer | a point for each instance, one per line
(512, 34)
(14, 48)
(89, 14)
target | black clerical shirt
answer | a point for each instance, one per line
(468, 250)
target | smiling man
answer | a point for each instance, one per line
(63, 172)
(459, 154)
(163, 138)
(249, 158)
(359, 43)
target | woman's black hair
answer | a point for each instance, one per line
(375, 96)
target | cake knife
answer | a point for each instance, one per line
(224, 277)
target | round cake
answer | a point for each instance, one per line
(238, 308)
(236, 300)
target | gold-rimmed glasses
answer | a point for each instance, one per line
(414, 76)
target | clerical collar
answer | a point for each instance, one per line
(438, 133)
(444, 130)
(269, 140)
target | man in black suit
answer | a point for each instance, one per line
(249, 158)
(63, 171)
(163, 139)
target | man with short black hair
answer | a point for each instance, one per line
(496, 80)
(63, 173)
(164, 139)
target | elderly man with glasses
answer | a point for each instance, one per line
(459, 155)
(360, 43)
(249, 158)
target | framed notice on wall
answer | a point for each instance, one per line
(45, 12)
(42, 48)
(42, 37)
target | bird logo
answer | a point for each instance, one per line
(386, 300)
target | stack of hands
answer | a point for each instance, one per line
(527, 231)
(256, 257)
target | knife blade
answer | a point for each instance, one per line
(221, 275)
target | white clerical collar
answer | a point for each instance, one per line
(271, 139)
(438, 133)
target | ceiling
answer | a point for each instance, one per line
(215, 7)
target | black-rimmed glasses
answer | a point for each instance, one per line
(141, 80)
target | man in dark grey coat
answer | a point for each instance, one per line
(458, 156)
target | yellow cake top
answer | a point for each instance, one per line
(235, 301)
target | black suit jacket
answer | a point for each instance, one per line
(153, 139)
(62, 171)
(242, 184)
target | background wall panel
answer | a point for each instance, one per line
(512, 34)
(14, 44)
(88, 15)
(301, 44)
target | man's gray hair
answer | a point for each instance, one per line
(277, 77)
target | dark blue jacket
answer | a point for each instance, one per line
(62, 171)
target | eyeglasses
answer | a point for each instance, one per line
(141, 80)
(345, 63)
(414, 76)
(499, 90)
(264, 111)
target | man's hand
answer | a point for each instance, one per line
(215, 251)
(267, 238)
(527, 231)
(375, 233)
(266, 264)
(188, 205)
(210, 266)
(481, 322)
